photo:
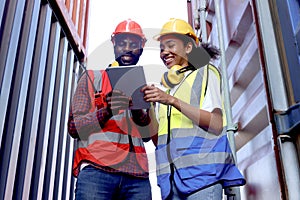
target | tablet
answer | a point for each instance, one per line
(130, 80)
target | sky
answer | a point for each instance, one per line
(151, 15)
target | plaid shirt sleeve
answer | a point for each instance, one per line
(81, 121)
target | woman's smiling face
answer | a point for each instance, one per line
(173, 51)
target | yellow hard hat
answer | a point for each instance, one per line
(178, 26)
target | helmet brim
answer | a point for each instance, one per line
(158, 36)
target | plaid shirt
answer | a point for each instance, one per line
(91, 122)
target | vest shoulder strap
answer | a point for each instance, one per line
(98, 83)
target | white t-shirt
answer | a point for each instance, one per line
(213, 98)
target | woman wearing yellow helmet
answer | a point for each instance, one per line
(193, 157)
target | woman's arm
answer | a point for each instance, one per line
(210, 121)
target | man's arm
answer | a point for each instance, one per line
(147, 123)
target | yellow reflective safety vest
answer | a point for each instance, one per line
(191, 156)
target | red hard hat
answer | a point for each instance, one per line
(129, 26)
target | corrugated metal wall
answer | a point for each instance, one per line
(249, 99)
(37, 65)
(261, 41)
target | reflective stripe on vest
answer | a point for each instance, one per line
(193, 149)
(114, 137)
(98, 80)
(109, 137)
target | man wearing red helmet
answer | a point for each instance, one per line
(110, 161)
(128, 40)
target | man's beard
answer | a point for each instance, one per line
(128, 58)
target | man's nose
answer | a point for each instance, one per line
(127, 47)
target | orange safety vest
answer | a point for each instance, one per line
(110, 146)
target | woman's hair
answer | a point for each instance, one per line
(212, 50)
(200, 55)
